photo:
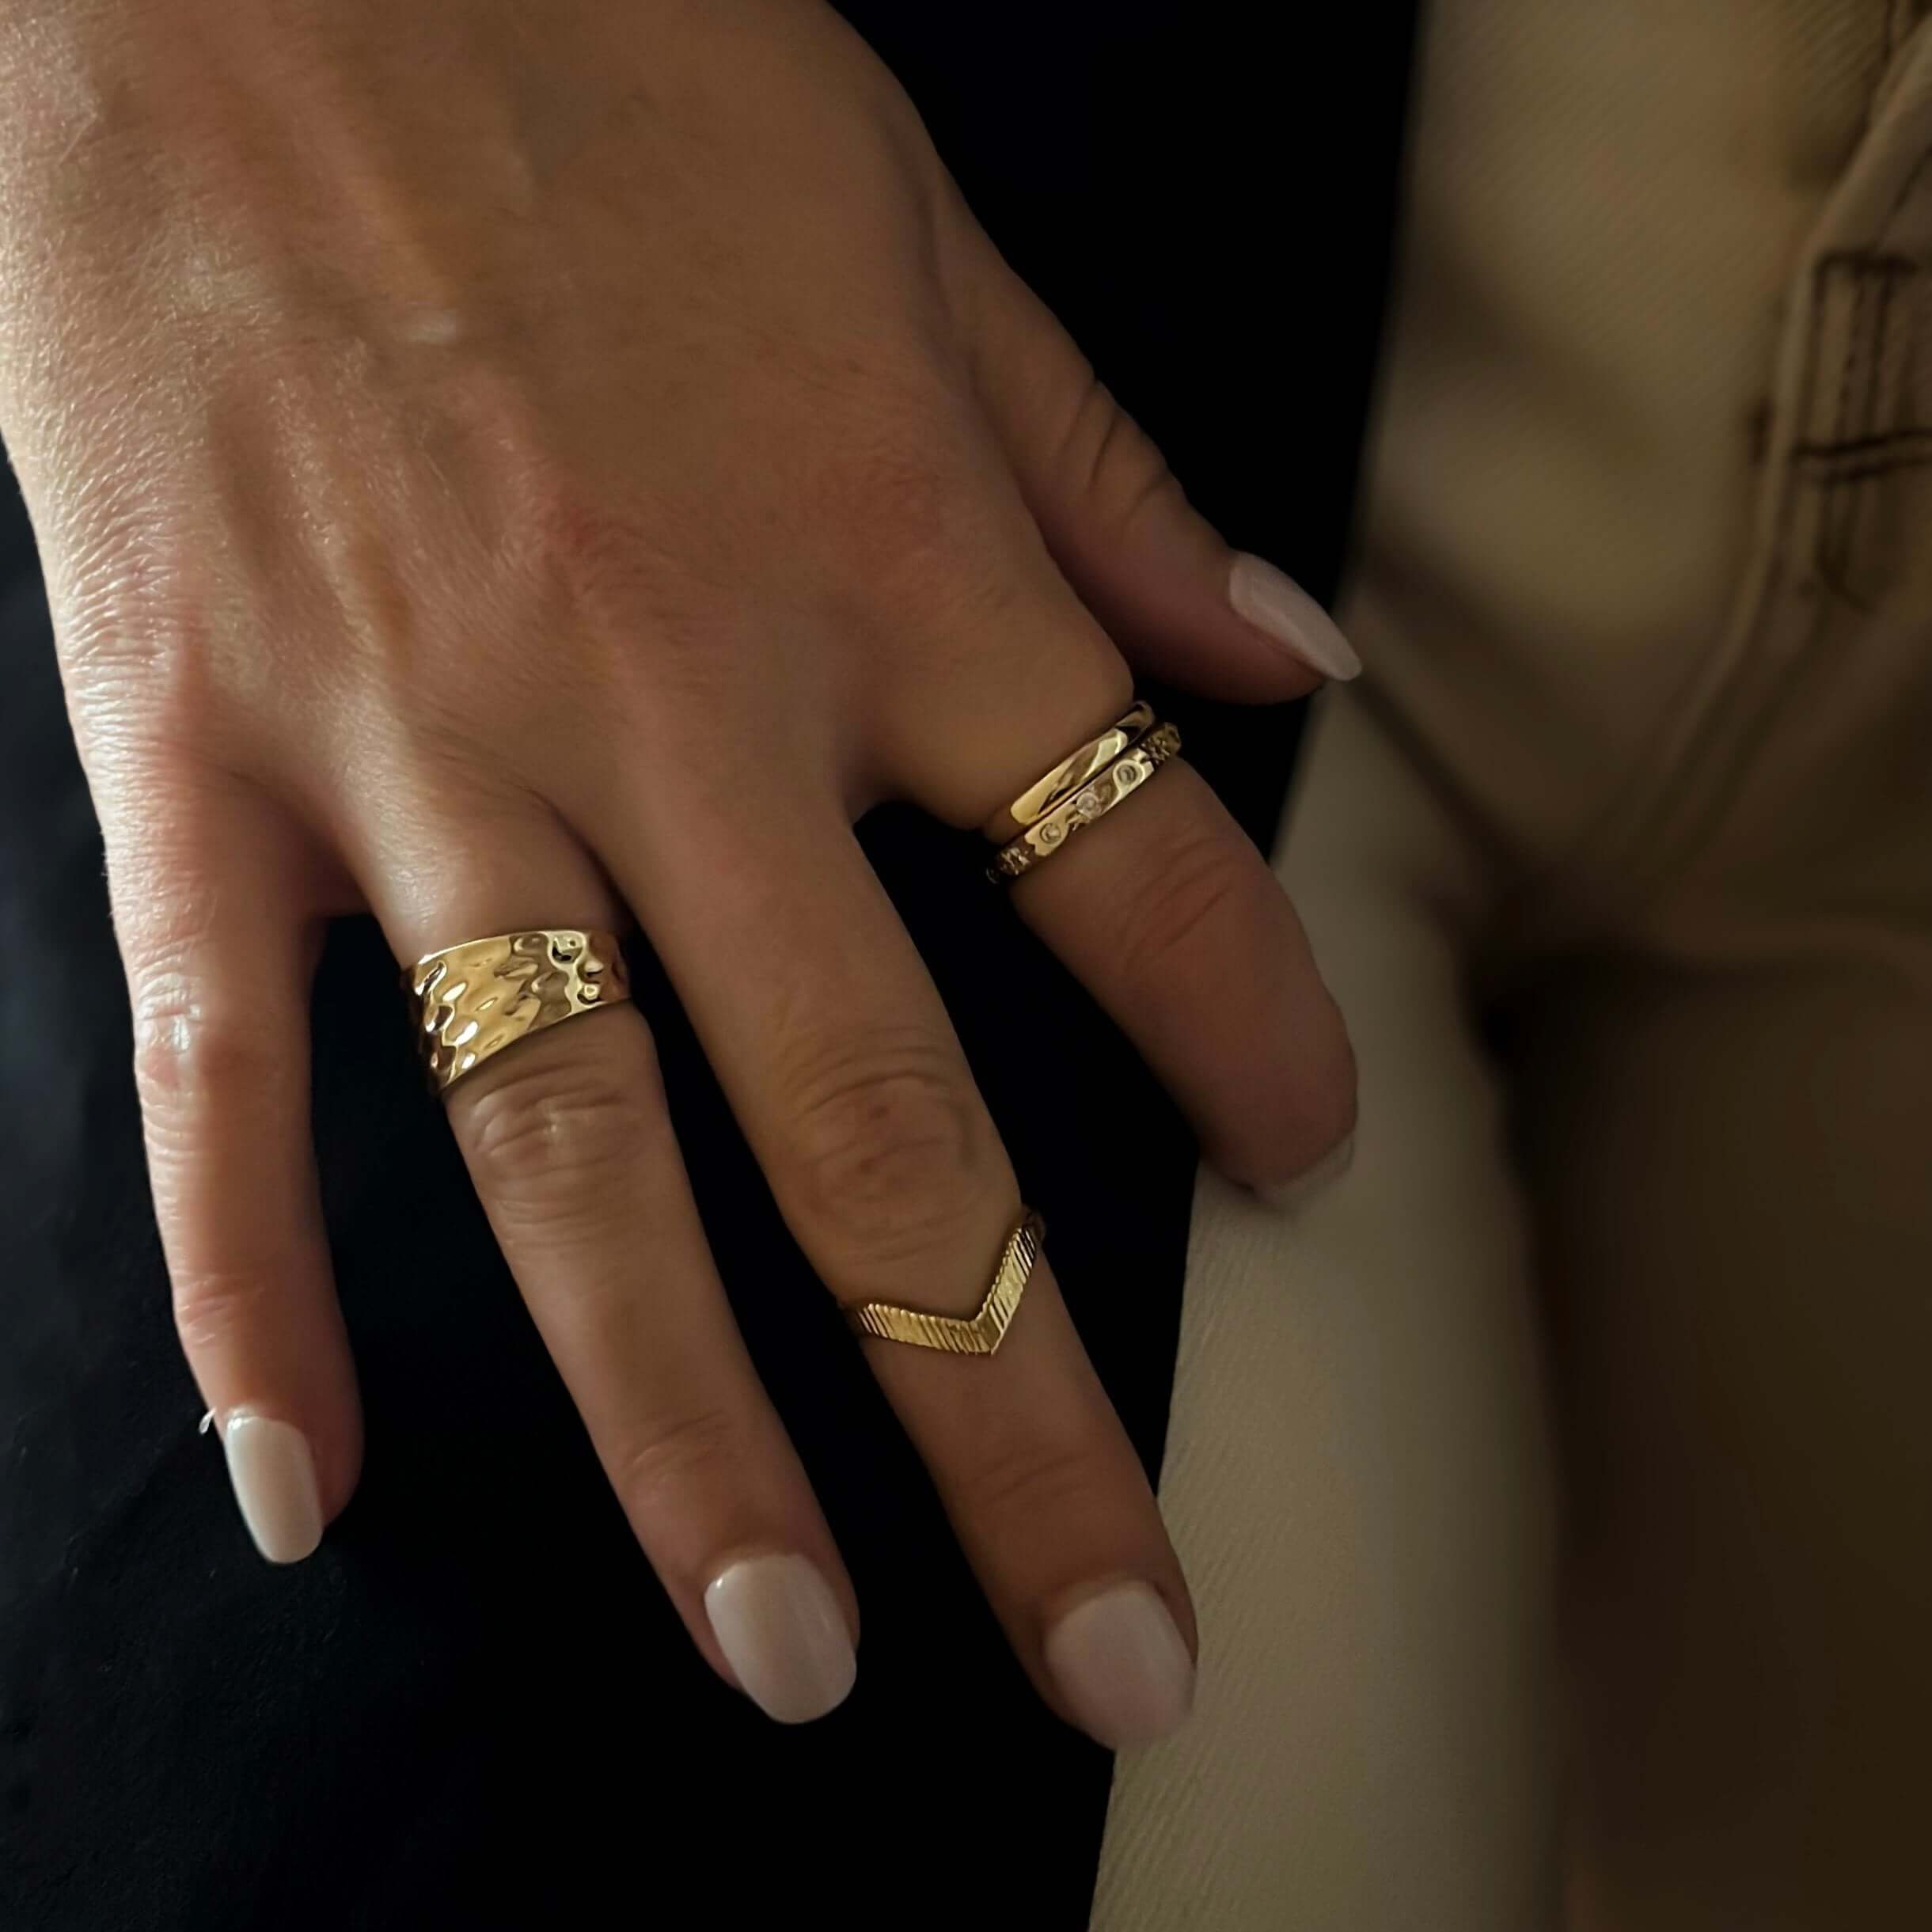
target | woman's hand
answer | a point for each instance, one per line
(507, 466)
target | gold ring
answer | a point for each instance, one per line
(1126, 776)
(1050, 793)
(472, 1000)
(975, 1334)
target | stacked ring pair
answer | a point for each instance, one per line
(1080, 790)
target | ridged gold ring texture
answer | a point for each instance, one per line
(978, 1334)
(473, 1000)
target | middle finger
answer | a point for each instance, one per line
(838, 1057)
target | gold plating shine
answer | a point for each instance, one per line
(1050, 793)
(1126, 776)
(980, 1334)
(474, 1000)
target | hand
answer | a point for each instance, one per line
(503, 468)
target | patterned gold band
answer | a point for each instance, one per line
(977, 1334)
(1050, 793)
(1125, 775)
(474, 1000)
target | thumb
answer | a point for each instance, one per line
(1181, 605)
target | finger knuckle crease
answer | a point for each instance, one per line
(546, 1133)
(1039, 1486)
(676, 1453)
(1119, 468)
(212, 1305)
(187, 1051)
(889, 1153)
(1191, 885)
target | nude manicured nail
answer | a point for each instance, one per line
(782, 1632)
(273, 1472)
(1121, 1663)
(1272, 601)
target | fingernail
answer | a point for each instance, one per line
(1272, 601)
(1292, 1197)
(783, 1635)
(274, 1476)
(1121, 1663)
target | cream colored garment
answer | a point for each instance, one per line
(1355, 1477)
(1643, 763)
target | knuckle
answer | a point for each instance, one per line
(1035, 1483)
(1196, 883)
(897, 506)
(213, 1307)
(1117, 468)
(885, 479)
(554, 1128)
(893, 521)
(189, 1054)
(890, 1151)
(600, 552)
(676, 1454)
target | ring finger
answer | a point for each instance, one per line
(1165, 911)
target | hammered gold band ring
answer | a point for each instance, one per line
(472, 1000)
(1125, 760)
(978, 1334)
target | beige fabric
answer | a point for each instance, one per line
(1640, 776)
(1355, 1477)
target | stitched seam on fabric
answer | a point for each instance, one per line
(1635, 873)
(1668, 809)
(1910, 433)
(1898, 206)
(1679, 842)
(1845, 496)
(1694, 831)
(1692, 834)
(1854, 378)
(1612, 871)
(1887, 45)
(1854, 481)
(1865, 473)
(1902, 21)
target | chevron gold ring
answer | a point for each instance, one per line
(976, 1334)
(1126, 772)
(472, 1000)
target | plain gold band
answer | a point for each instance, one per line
(1092, 802)
(472, 1000)
(980, 1334)
(1050, 793)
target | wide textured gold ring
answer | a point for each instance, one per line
(1124, 776)
(474, 1000)
(975, 1334)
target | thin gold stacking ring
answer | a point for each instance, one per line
(1049, 793)
(980, 1334)
(1124, 774)
(472, 1000)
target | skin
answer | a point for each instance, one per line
(503, 467)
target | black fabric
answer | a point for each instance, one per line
(472, 1707)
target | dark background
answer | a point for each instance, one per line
(472, 1707)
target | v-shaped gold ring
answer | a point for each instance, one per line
(976, 1334)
